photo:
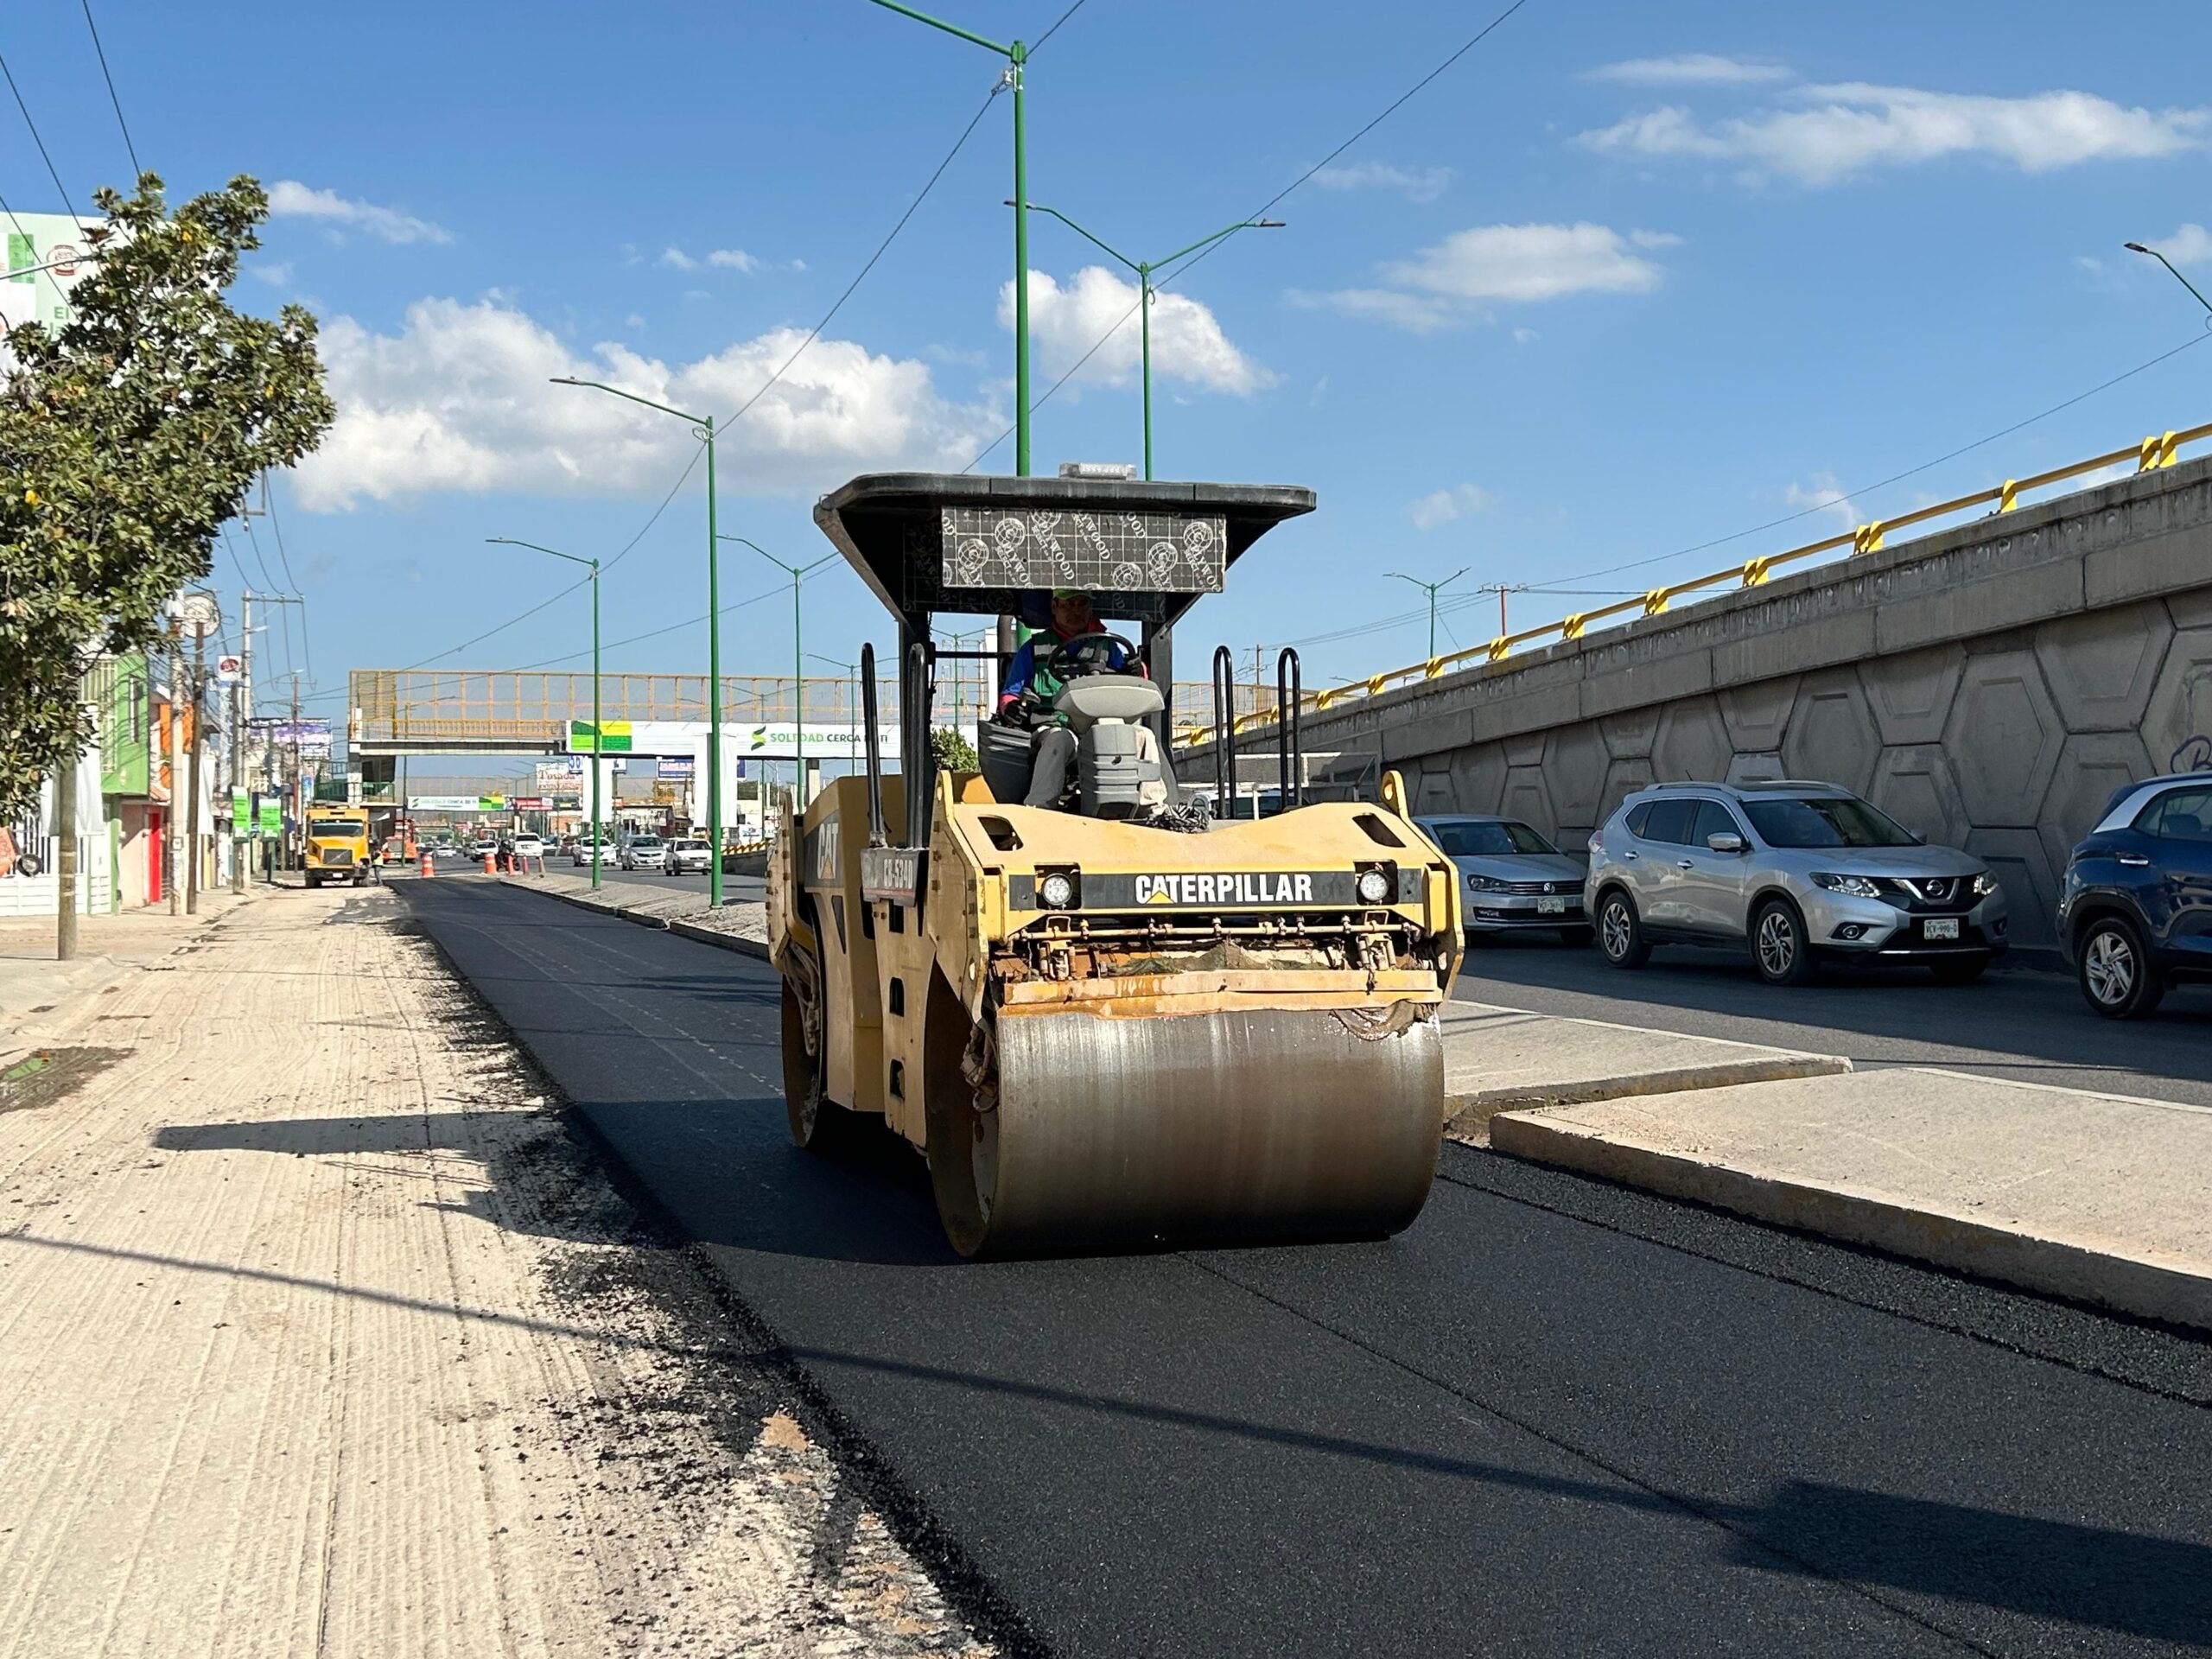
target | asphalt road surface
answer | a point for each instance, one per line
(1554, 1417)
(2030, 1025)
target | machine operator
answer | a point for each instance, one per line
(1029, 680)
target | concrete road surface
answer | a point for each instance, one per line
(1554, 1417)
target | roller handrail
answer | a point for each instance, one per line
(918, 765)
(1225, 714)
(874, 747)
(1290, 698)
(2151, 454)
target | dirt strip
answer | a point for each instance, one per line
(322, 1332)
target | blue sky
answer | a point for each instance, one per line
(1625, 278)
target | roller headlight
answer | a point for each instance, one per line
(1058, 891)
(1374, 887)
(1856, 887)
(1984, 884)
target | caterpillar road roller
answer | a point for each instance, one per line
(1103, 1018)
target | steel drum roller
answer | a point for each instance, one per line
(1262, 1124)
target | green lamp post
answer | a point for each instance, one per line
(1017, 58)
(2138, 247)
(1143, 268)
(705, 426)
(798, 573)
(1431, 588)
(598, 726)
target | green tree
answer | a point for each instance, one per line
(128, 435)
(952, 751)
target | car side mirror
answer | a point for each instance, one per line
(1724, 842)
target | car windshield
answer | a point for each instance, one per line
(343, 827)
(690, 846)
(1824, 821)
(1498, 838)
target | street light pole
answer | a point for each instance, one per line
(1144, 267)
(1431, 588)
(1017, 58)
(853, 670)
(2138, 247)
(598, 726)
(798, 572)
(704, 424)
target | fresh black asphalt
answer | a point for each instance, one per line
(1553, 1418)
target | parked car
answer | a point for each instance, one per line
(1516, 880)
(641, 852)
(685, 857)
(1796, 872)
(2135, 911)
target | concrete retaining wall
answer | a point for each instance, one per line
(1988, 686)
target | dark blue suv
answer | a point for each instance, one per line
(2136, 914)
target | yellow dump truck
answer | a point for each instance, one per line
(338, 845)
(1104, 1021)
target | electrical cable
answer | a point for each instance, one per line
(1055, 29)
(101, 53)
(67, 200)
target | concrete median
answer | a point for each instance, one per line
(2105, 1199)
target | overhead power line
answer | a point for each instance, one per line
(101, 53)
(68, 202)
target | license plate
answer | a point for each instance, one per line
(1940, 927)
(1551, 907)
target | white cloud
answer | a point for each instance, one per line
(1502, 265)
(1690, 69)
(290, 199)
(2190, 245)
(677, 259)
(1837, 131)
(1524, 336)
(458, 401)
(1424, 184)
(1824, 495)
(277, 273)
(1442, 507)
(733, 259)
(1188, 342)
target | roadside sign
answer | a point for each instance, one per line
(272, 817)
(241, 813)
(530, 803)
(228, 669)
(491, 803)
(613, 737)
(676, 765)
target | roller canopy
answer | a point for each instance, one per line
(931, 542)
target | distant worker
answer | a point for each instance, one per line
(1030, 687)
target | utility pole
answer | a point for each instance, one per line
(241, 703)
(65, 835)
(299, 801)
(198, 748)
(171, 837)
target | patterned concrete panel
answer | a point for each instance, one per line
(1527, 799)
(1478, 778)
(2100, 667)
(1692, 745)
(2004, 737)
(1623, 779)
(1432, 790)
(1629, 734)
(1832, 736)
(1755, 767)
(1525, 750)
(1911, 693)
(2181, 707)
(1574, 766)
(1757, 713)
(2192, 610)
(2090, 766)
(1914, 786)
(2016, 858)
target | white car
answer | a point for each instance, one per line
(642, 853)
(529, 847)
(484, 849)
(686, 857)
(582, 852)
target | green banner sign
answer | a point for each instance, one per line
(613, 737)
(272, 817)
(241, 813)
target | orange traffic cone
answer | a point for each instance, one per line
(428, 868)
(491, 866)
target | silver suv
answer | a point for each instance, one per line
(1796, 872)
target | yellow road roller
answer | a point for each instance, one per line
(1105, 1018)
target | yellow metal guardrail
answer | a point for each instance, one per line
(2151, 454)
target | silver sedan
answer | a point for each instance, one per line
(1516, 880)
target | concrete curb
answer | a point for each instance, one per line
(738, 942)
(2122, 1284)
(1467, 1116)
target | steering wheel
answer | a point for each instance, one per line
(1088, 654)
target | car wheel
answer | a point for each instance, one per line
(1620, 933)
(2116, 977)
(1579, 937)
(1779, 946)
(1958, 970)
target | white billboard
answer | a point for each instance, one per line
(47, 255)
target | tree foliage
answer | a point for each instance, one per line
(952, 751)
(128, 436)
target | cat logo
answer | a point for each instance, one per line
(825, 853)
